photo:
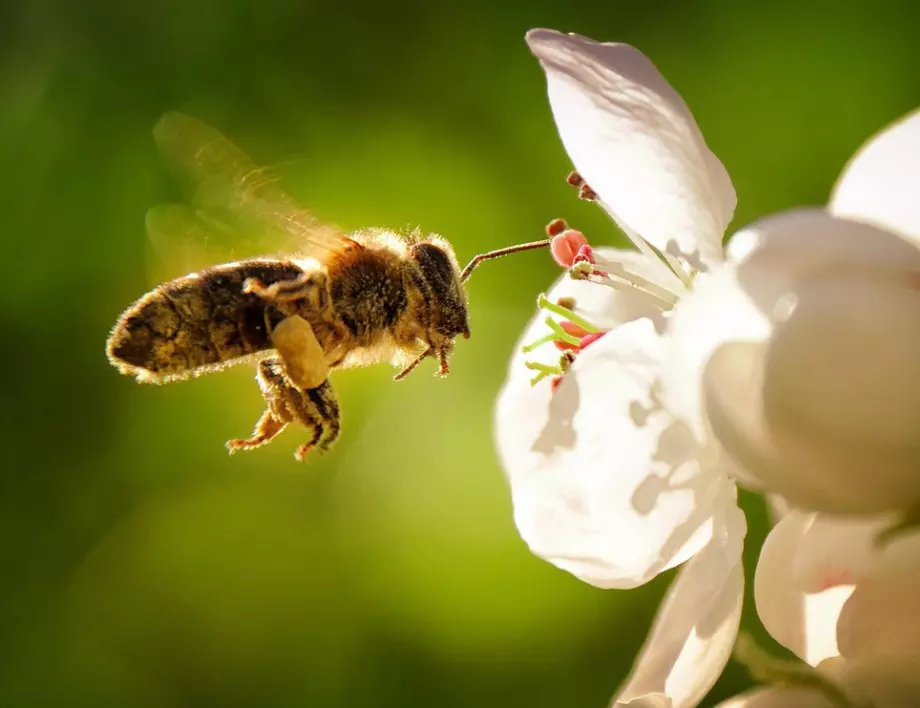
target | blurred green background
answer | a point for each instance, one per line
(141, 566)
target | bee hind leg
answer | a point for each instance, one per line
(308, 395)
(266, 428)
(316, 409)
(319, 409)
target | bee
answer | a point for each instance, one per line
(344, 300)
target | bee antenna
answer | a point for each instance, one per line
(498, 253)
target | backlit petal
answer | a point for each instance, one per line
(806, 572)
(882, 617)
(718, 310)
(605, 483)
(780, 600)
(635, 142)
(696, 626)
(879, 185)
(800, 409)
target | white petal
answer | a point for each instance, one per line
(879, 185)
(842, 386)
(802, 410)
(635, 142)
(695, 629)
(718, 310)
(743, 300)
(838, 550)
(882, 618)
(776, 253)
(808, 566)
(780, 602)
(605, 483)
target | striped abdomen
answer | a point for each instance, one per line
(198, 322)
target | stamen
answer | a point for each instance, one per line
(574, 179)
(557, 334)
(545, 339)
(652, 253)
(660, 298)
(587, 194)
(566, 246)
(675, 265)
(543, 370)
(560, 332)
(574, 332)
(567, 302)
(555, 227)
(544, 303)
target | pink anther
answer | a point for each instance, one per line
(566, 246)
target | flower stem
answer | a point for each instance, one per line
(908, 521)
(766, 668)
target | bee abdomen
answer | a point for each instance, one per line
(197, 323)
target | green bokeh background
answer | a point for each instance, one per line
(141, 566)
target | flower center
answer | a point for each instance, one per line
(665, 279)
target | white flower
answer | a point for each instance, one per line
(828, 591)
(806, 341)
(607, 481)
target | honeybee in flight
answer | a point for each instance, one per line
(343, 301)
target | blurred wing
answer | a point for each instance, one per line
(235, 209)
(182, 241)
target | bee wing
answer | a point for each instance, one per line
(235, 209)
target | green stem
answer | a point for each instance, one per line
(908, 521)
(766, 668)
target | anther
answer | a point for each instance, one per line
(555, 227)
(584, 255)
(587, 194)
(566, 246)
(567, 302)
(573, 179)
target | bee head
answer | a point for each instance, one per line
(437, 265)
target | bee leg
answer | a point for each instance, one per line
(316, 409)
(312, 287)
(308, 396)
(266, 428)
